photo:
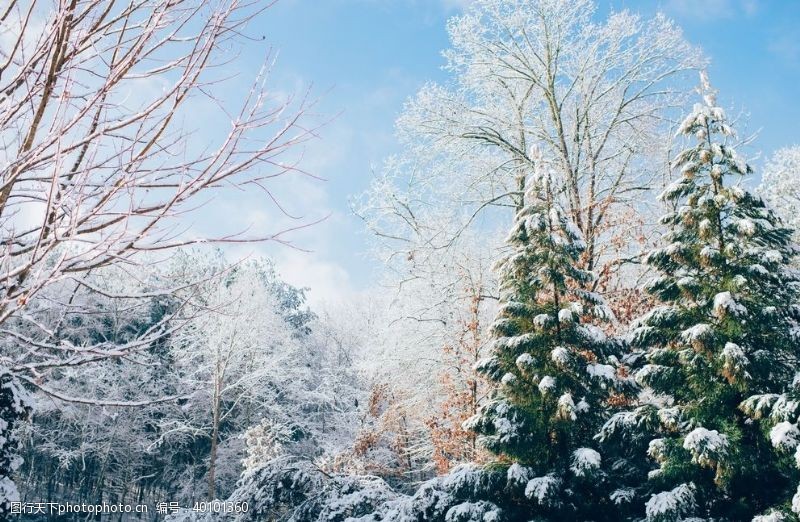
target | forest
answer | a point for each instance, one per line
(586, 304)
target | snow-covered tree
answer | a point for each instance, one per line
(463, 389)
(724, 330)
(97, 170)
(100, 160)
(15, 406)
(780, 184)
(591, 93)
(555, 370)
(88, 446)
(235, 362)
(160, 450)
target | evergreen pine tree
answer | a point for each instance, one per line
(15, 407)
(554, 370)
(725, 330)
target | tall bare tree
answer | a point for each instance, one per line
(112, 129)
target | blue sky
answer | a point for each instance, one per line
(366, 57)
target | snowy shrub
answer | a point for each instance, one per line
(697, 335)
(265, 442)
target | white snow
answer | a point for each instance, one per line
(595, 333)
(671, 505)
(565, 315)
(734, 359)
(508, 379)
(565, 409)
(560, 356)
(784, 436)
(517, 341)
(547, 384)
(518, 474)
(601, 371)
(670, 417)
(622, 495)
(574, 231)
(784, 408)
(646, 373)
(524, 361)
(655, 449)
(707, 446)
(697, 333)
(619, 422)
(772, 516)
(585, 461)
(480, 511)
(543, 489)
(775, 406)
(725, 304)
(709, 253)
(673, 248)
(576, 308)
(8, 491)
(542, 320)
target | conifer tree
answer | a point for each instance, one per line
(15, 407)
(725, 330)
(554, 370)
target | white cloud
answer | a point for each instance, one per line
(328, 282)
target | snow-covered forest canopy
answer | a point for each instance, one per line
(585, 306)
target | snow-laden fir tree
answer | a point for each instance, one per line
(15, 406)
(554, 369)
(725, 330)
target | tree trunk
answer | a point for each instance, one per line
(214, 437)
